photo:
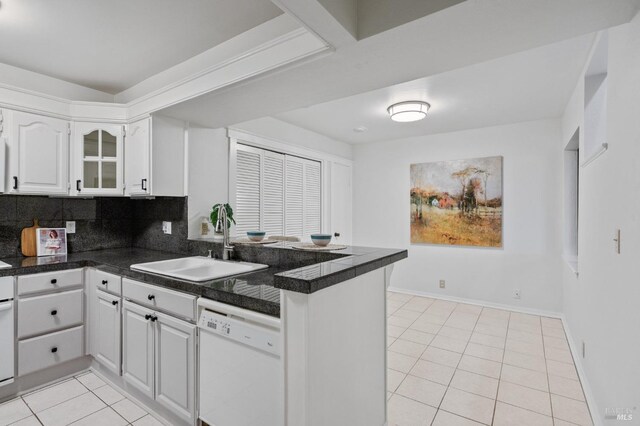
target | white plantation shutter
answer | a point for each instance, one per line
(294, 191)
(247, 208)
(277, 193)
(273, 193)
(312, 196)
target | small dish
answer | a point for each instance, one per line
(256, 235)
(321, 239)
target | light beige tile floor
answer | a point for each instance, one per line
(81, 400)
(459, 364)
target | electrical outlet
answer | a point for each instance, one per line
(442, 285)
(71, 227)
(166, 227)
(516, 293)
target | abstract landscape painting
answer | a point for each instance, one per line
(457, 202)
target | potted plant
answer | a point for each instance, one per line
(217, 222)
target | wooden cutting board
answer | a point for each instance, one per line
(28, 240)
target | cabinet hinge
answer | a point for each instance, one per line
(124, 131)
(69, 128)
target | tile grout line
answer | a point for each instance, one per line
(544, 353)
(455, 368)
(110, 405)
(495, 402)
(32, 412)
(49, 387)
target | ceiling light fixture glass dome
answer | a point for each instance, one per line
(408, 111)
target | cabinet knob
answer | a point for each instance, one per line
(54, 281)
(54, 350)
(154, 318)
(151, 297)
(104, 282)
(336, 234)
(147, 317)
(114, 302)
(54, 312)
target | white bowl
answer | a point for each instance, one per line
(256, 236)
(321, 240)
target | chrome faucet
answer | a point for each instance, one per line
(227, 248)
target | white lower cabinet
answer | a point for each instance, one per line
(175, 365)
(138, 347)
(107, 329)
(50, 319)
(48, 350)
(159, 358)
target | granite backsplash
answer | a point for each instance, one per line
(101, 223)
(108, 223)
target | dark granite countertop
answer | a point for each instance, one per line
(304, 272)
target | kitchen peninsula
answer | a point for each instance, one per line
(328, 307)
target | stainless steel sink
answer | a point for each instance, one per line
(198, 268)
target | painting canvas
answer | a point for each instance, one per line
(457, 202)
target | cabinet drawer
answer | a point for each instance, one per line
(48, 350)
(173, 302)
(49, 281)
(107, 282)
(49, 312)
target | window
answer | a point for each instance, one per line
(277, 193)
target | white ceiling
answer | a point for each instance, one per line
(471, 32)
(525, 86)
(110, 45)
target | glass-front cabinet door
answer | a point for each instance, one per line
(99, 159)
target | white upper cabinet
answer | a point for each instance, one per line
(38, 154)
(97, 159)
(154, 151)
(137, 162)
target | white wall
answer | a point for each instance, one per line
(281, 131)
(532, 233)
(602, 304)
(208, 174)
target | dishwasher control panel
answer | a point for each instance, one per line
(249, 334)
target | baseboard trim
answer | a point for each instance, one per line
(596, 416)
(511, 308)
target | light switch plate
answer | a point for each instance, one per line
(71, 227)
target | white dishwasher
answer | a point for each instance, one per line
(7, 339)
(241, 372)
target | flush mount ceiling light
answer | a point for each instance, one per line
(408, 111)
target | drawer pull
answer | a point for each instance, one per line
(147, 317)
(104, 282)
(114, 302)
(54, 281)
(151, 297)
(54, 350)
(154, 318)
(54, 312)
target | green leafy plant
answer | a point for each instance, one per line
(214, 214)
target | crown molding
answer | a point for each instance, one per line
(279, 51)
